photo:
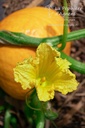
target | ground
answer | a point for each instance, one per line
(70, 108)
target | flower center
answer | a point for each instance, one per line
(43, 79)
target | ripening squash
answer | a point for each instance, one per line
(37, 22)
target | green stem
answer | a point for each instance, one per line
(24, 40)
(7, 119)
(75, 65)
(65, 31)
(40, 119)
(37, 114)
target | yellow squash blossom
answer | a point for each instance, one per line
(47, 72)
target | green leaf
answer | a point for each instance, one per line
(49, 114)
(7, 119)
(2, 108)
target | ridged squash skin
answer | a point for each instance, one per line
(37, 22)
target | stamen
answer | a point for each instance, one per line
(43, 79)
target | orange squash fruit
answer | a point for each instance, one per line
(37, 22)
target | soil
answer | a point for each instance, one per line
(70, 108)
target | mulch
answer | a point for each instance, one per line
(70, 108)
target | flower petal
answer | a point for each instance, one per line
(45, 91)
(57, 67)
(66, 82)
(25, 74)
(47, 72)
(46, 55)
